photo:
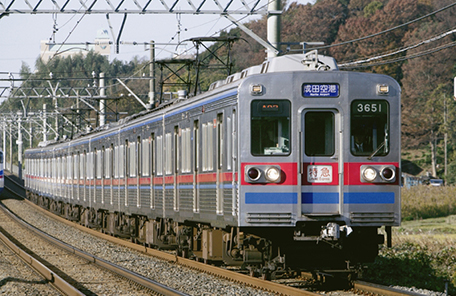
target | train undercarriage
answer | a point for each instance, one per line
(266, 252)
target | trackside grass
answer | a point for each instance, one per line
(424, 246)
(422, 202)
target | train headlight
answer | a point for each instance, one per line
(254, 174)
(273, 174)
(369, 174)
(388, 174)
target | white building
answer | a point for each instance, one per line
(101, 45)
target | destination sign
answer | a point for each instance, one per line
(324, 90)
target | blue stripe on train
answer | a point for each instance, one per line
(271, 198)
(320, 198)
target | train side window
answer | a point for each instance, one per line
(116, 162)
(76, 166)
(204, 147)
(186, 151)
(70, 167)
(168, 154)
(1, 157)
(369, 128)
(196, 136)
(90, 165)
(100, 163)
(49, 169)
(108, 163)
(64, 170)
(152, 154)
(319, 133)
(159, 150)
(270, 127)
(220, 144)
(53, 168)
(177, 148)
(138, 157)
(57, 168)
(229, 136)
(145, 151)
(81, 166)
(121, 161)
(208, 147)
(132, 159)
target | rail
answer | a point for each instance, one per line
(217, 271)
(135, 277)
(54, 279)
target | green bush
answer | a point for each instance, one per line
(412, 265)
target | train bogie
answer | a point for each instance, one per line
(301, 161)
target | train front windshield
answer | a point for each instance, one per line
(369, 132)
(270, 133)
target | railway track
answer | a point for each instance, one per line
(34, 276)
(109, 273)
(273, 287)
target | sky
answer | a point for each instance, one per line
(21, 34)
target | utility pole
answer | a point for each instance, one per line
(19, 144)
(11, 146)
(44, 124)
(4, 140)
(102, 101)
(152, 75)
(273, 27)
(31, 134)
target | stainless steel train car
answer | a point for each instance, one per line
(289, 163)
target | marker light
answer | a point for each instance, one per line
(273, 174)
(256, 89)
(382, 89)
(254, 174)
(388, 174)
(369, 174)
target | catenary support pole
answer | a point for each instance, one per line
(273, 30)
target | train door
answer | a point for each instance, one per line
(176, 162)
(232, 155)
(83, 175)
(219, 179)
(196, 157)
(138, 172)
(110, 172)
(152, 170)
(322, 193)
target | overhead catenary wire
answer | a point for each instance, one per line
(412, 56)
(387, 30)
(192, 47)
(351, 41)
(401, 50)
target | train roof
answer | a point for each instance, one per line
(310, 61)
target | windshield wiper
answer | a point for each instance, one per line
(376, 151)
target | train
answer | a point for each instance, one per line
(289, 164)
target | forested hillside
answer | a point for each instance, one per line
(411, 40)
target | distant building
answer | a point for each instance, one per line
(410, 180)
(101, 45)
